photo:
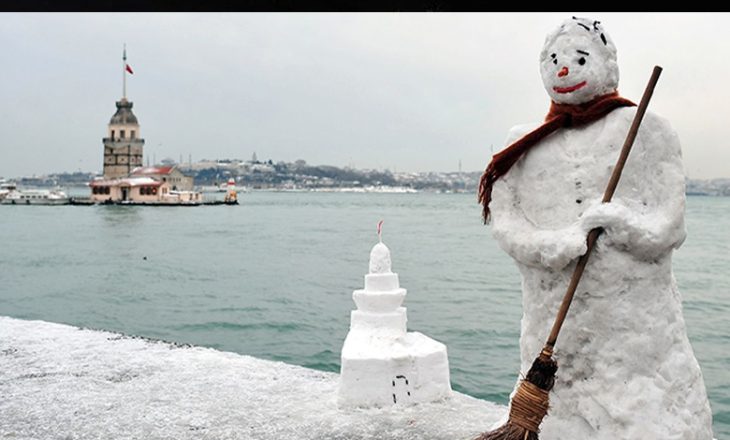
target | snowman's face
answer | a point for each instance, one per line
(576, 68)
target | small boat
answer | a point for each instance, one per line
(36, 197)
(6, 188)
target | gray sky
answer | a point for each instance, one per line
(399, 91)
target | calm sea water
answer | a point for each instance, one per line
(273, 278)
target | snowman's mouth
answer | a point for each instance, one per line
(569, 89)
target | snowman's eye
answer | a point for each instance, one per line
(555, 61)
(582, 61)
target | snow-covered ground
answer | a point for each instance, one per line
(62, 382)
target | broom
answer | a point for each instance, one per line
(530, 403)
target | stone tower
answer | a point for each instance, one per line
(123, 144)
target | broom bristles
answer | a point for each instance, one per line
(509, 432)
(530, 403)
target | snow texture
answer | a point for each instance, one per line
(382, 364)
(626, 367)
(380, 259)
(62, 382)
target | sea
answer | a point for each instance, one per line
(273, 278)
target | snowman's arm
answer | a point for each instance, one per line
(648, 221)
(525, 242)
(519, 237)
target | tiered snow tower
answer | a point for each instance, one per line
(383, 364)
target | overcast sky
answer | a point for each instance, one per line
(409, 92)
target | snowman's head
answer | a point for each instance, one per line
(578, 62)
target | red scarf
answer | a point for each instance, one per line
(560, 115)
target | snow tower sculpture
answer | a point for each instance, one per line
(382, 364)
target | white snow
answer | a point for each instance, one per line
(62, 382)
(626, 368)
(380, 259)
(382, 364)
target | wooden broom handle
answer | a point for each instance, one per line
(593, 234)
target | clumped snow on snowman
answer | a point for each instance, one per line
(627, 369)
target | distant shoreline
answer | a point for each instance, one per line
(211, 177)
(77, 189)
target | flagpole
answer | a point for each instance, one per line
(124, 72)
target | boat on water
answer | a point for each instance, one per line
(35, 197)
(6, 188)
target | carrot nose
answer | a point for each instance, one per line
(563, 71)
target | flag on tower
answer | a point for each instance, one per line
(127, 67)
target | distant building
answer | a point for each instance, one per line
(123, 144)
(133, 189)
(140, 190)
(125, 179)
(170, 174)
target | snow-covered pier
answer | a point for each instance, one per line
(62, 382)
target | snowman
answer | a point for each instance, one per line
(626, 367)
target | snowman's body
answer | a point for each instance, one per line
(626, 368)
